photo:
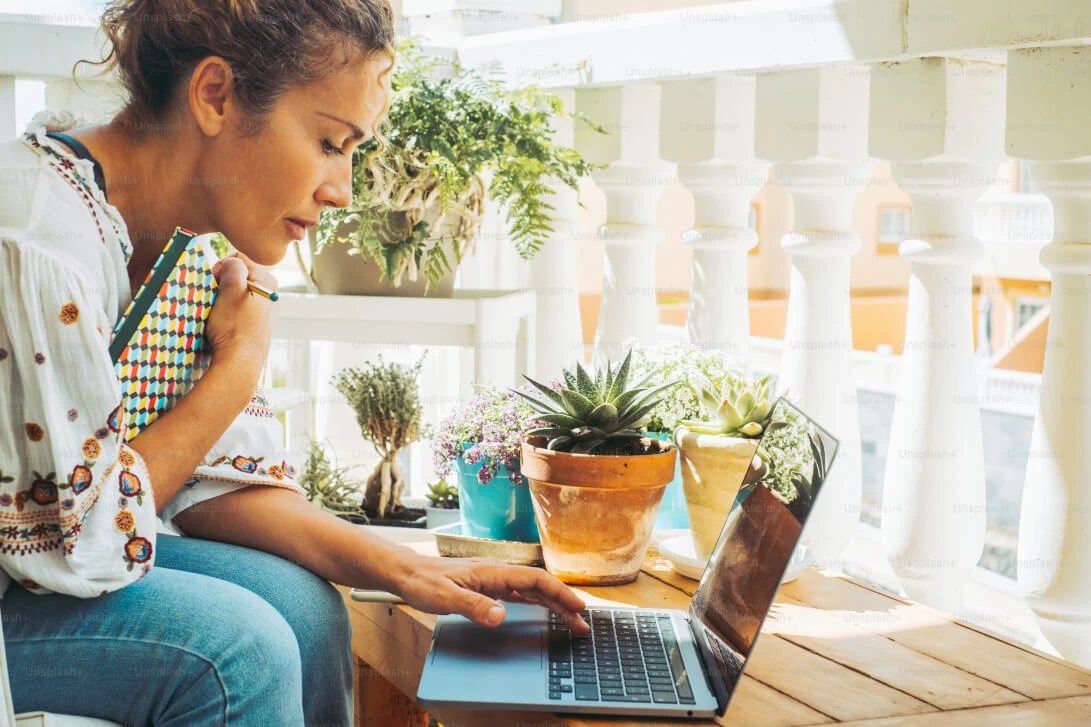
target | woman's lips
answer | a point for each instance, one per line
(296, 228)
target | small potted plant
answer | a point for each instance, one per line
(386, 400)
(442, 504)
(482, 441)
(451, 138)
(328, 486)
(717, 451)
(694, 369)
(595, 481)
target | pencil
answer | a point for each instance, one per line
(262, 291)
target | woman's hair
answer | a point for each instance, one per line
(271, 46)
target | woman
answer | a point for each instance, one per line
(242, 117)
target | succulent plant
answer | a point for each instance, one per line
(593, 415)
(739, 408)
(443, 495)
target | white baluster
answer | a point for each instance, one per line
(813, 124)
(1049, 90)
(632, 183)
(707, 128)
(940, 121)
(552, 274)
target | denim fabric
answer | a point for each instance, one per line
(215, 634)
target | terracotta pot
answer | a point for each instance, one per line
(761, 535)
(595, 513)
(336, 272)
(713, 468)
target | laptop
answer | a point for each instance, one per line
(642, 661)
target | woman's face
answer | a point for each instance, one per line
(266, 188)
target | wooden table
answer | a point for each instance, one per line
(832, 651)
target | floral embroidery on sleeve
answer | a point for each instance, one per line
(3, 354)
(35, 433)
(39, 358)
(69, 314)
(73, 415)
(130, 486)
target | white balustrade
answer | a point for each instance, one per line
(707, 128)
(633, 183)
(940, 123)
(813, 124)
(1048, 91)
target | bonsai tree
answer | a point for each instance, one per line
(419, 186)
(386, 400)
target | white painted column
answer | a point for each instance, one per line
(552, 273)
(707, 128)
(633, 184)
(940, 122)
(8, 124)
(813, 125)
(1050, 94)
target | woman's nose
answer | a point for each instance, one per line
(336, 193)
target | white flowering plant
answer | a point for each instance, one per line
(694, 368)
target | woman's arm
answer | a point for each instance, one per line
(238, 330)
(176, 442)
(283, 523)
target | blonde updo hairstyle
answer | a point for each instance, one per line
(271, 46)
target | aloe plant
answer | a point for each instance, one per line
(593, 415)
(738, 408)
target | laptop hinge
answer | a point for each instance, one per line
(708, 663)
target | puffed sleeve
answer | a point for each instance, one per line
(77, 514)
(250, 453)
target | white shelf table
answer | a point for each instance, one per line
(494, 328)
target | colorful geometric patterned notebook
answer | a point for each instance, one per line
(157, 346)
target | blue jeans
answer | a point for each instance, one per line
(215, 634)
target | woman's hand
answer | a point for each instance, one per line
(239, 328)
(473, 587)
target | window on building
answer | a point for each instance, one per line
(892, 229)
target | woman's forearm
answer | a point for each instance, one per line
(281, 522)
(174, 445)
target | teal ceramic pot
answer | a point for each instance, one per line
(672, 512)
(499, 510)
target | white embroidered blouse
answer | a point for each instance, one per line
(76, 511)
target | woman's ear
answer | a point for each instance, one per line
(212, 95)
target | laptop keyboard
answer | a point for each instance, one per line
(630, 656)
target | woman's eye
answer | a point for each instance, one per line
(328, 148)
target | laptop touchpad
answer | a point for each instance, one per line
(515, 644)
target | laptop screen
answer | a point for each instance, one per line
(757, 541)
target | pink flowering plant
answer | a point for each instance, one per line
(487, 430)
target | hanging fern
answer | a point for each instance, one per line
(447, 125)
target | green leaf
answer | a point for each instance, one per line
(584, 384)
(604, 416)
(578, 405)
(622, 376)
(561, 420)
(552, 393)
(560, 444)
